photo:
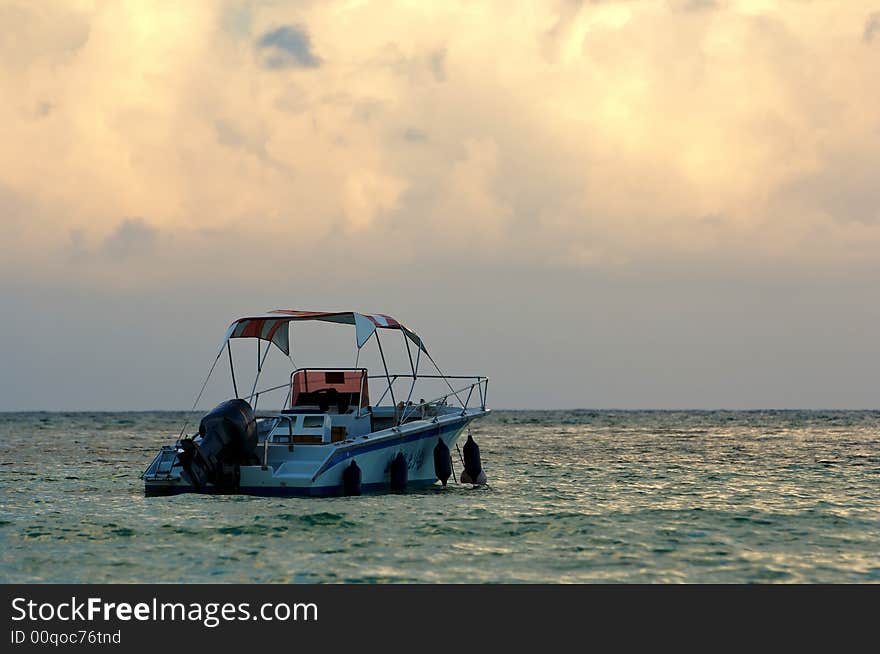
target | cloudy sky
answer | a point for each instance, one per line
(658, 203)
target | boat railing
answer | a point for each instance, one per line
(478, 385)
(406, 409)
(403, 411)
(476, 390)
(269, 442)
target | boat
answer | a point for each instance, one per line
(326, 437)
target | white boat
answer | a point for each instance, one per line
(327, 438)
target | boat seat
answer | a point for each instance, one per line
(324, 398)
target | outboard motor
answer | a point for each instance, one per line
(351, 479)
(229, 440)
(442, 461)
(473, 468)
(399, 473)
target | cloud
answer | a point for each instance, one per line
(658, 178)
(696, 5)
(236, 19)
(872, 26)
(246, 136)
(415, 135)
(131, 237)
(287, 46)
(34, 33)
(601, 144)
(369, 195)
(43, 109)
(438, 65)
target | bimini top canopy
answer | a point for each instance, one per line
(272, 326)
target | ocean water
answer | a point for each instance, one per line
(574, 496)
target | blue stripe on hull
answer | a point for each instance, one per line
(428, 432)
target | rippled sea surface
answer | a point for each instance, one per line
(575, 496)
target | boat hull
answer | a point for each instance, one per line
(373, 455)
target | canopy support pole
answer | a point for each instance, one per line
(259, 370)
(199, 396)
(443, 374)
(412, 366)
(385, 365)
(418, 360)
(232, 368)
(408, 352)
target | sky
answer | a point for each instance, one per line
(598, 204)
